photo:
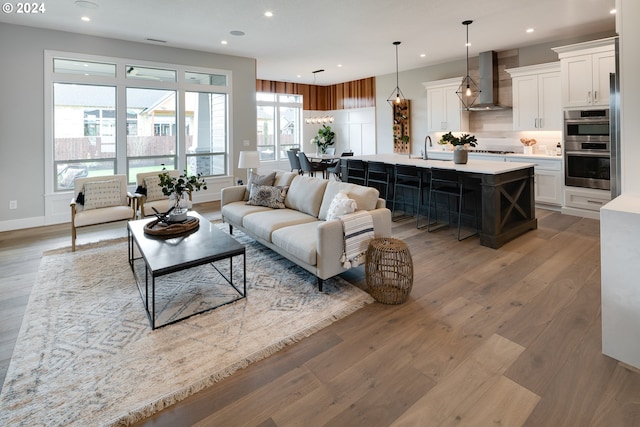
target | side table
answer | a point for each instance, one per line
(389, 270)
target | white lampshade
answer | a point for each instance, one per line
(249, 160)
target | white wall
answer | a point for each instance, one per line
(22, 107)
(354, 128)
(629, 14)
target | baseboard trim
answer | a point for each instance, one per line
(18, 224)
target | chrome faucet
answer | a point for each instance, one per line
(424, 153)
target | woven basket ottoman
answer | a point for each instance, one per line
(389, 270)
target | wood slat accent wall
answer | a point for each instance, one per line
(354, 94)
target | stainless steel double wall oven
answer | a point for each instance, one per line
(587, 153)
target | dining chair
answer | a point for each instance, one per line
(330, 151)
(311, 167)
(294, 161)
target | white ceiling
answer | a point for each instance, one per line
(305, 35)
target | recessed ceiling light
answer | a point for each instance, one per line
(423, 55)
(530, 30)
(223, 42)
(299, 76)
(467, 44)
(86, 19)
(339, 65)
(86, 4)
(268, 14)
(612, 11)
(236, 33)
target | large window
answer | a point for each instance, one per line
(116, 116)
(151, 130)
(83, 132)
(279, 124)
(206, 123)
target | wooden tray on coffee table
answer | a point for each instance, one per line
(157, 228)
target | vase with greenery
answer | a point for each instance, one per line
(178, 188)
(460, 144)
(324, 138)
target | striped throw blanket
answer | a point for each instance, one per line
(358, 231)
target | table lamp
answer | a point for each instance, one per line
(249, 160)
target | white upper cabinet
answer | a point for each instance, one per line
(585, 69)
(444, 110)
(537, 103)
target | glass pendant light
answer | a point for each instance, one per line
(468, 91)
(396, 96)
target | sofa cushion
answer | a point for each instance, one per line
(366, 197)
(265, 195)
(234, 212)
(154, 191)
(283, 178)
(102, 194)
(262, 224)
(300, 241)
(305, 194)
(256, 179)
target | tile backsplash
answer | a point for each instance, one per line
(494, 131)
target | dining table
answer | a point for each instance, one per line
(327, 158)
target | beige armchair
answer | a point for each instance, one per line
(100, 199)
(149, 182)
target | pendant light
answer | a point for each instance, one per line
(468, 91)
(396, 96)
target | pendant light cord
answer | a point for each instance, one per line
(397, 79)
(398, 93)
(467, 45)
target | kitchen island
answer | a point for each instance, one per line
(507, 192)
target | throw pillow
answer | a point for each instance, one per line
(265, 195)
(102, 194)
(154, 191)
(259, 180)
(366, 197)
(341, 205)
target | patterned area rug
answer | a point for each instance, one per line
(86, 354)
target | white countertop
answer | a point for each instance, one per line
(488, 167)
(629, 203)
(533, 157)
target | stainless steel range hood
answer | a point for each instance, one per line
(488, 99)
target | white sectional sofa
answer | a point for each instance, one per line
(300, 231)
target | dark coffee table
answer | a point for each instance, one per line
(165, 255)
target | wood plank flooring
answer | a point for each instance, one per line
(508, 337)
